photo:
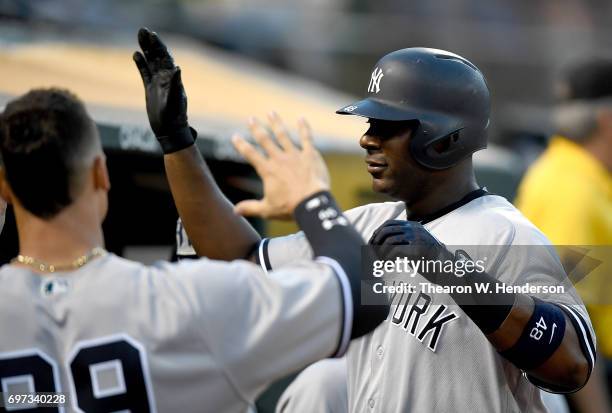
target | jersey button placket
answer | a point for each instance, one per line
(377, 353)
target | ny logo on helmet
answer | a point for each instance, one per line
(374, 86)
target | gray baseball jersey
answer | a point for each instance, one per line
(320, 388)
(200, 335)
(429, 356)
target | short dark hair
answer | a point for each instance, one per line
(588, 78)
(43, 136)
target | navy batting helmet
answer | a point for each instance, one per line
(444, 92)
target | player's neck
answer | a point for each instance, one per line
(443, 193)
(437, 200)
(68, 235)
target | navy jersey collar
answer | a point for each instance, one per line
(424, 219)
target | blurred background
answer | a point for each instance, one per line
(301, 58)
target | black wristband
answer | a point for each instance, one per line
(330, 234)
(487, 317)
(488, 310)
(540, 338)
(178, 140)
(328, 231)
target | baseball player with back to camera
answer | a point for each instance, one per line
(428, 111)
(115, 335)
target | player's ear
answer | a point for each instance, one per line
(5, 189)
(101, 179)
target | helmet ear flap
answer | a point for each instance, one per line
(439, 142)
(445, 144)
(446, 150)
(443, 152)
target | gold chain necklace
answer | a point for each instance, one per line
(44, 267)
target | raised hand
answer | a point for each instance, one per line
(289, 173)
(165, 95)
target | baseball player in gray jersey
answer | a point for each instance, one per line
(428, 111)
(116, 336)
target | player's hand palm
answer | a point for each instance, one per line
(165, 95)
(289, 173)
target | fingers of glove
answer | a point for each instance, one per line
(398, 239)
(374, 239)
(382, 233)
(390, 223)
(393, 247)
(143, 67)
(398, 222)
(387, 251)
(263, 138)
(154, 50)
(422, 236)
(248, 151)
(305, 135)
(177, 92)
(250, 208)
(143, 38)
(282, 136)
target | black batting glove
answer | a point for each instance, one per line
(164, 92)
(408, 233)
(409, 239)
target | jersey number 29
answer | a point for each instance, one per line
(109, 374)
